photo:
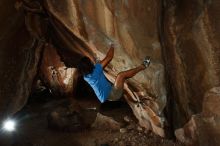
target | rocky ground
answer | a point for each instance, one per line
(110, 124)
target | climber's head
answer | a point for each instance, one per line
(85, 66)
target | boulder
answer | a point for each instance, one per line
(203, 129)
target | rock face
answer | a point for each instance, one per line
(190, 35)
(19, 58)
(180, 36)
(88, 27)
(203, 128)
(55, 75)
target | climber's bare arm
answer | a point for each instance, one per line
(108, 57)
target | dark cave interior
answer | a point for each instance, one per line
(173, 102)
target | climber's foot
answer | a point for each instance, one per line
(146, 61)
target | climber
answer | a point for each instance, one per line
(93, 74)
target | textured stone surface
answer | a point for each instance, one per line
(189, 45)
(88, 27)
(55, 75)
(191, 50)
(19, 58)
(105, 123)
(64, 119)
(79, 28)
(204, 128)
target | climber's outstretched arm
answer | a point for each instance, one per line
(108, 57)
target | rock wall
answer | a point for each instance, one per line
(79, 28)
(190, 35)
(180, 36)
(88, 28)
(55, 75)
(19, 58)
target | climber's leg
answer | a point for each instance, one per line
(117, 89)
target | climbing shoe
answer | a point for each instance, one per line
(146, 61)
